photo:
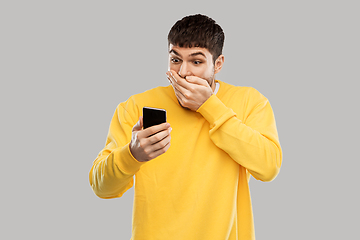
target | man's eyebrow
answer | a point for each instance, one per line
(197, 53)
(191, 55)
(175, 52)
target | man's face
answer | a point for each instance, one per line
(194, 61)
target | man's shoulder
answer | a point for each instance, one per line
(149, 96)
(239, 91)
(153, 92)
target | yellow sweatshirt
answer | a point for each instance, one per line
(199, 188)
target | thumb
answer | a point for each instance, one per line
(139, 125)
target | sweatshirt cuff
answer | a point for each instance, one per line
(127, 162)
(215, 111)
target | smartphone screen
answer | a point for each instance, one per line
(153, 116)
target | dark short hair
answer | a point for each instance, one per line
(198, 31)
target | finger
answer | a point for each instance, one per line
(173, 76)
(179, 95)
(181, 98)
(179, 81)
(180, 92)
(158, 137)
(154, 129)
(139, 125)
(173, 83)
(160, 147)
(197, 80)
(141, 121)
(181, 86)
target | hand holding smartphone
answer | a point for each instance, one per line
(147, 144)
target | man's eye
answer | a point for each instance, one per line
(197, 62)
(175, 60)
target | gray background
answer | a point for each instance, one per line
(65, 65)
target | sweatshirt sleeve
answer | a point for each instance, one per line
(112, 171)
(253, 143)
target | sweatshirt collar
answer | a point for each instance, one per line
(217, 87)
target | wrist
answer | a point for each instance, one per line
(214, 109)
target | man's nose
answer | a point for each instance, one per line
(184, 70)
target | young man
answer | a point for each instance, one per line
(197, 186)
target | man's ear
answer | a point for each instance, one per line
(219, 63)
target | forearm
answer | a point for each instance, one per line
(255, 148)
(112, 172)
(258, 154)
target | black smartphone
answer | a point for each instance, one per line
(153, 116)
